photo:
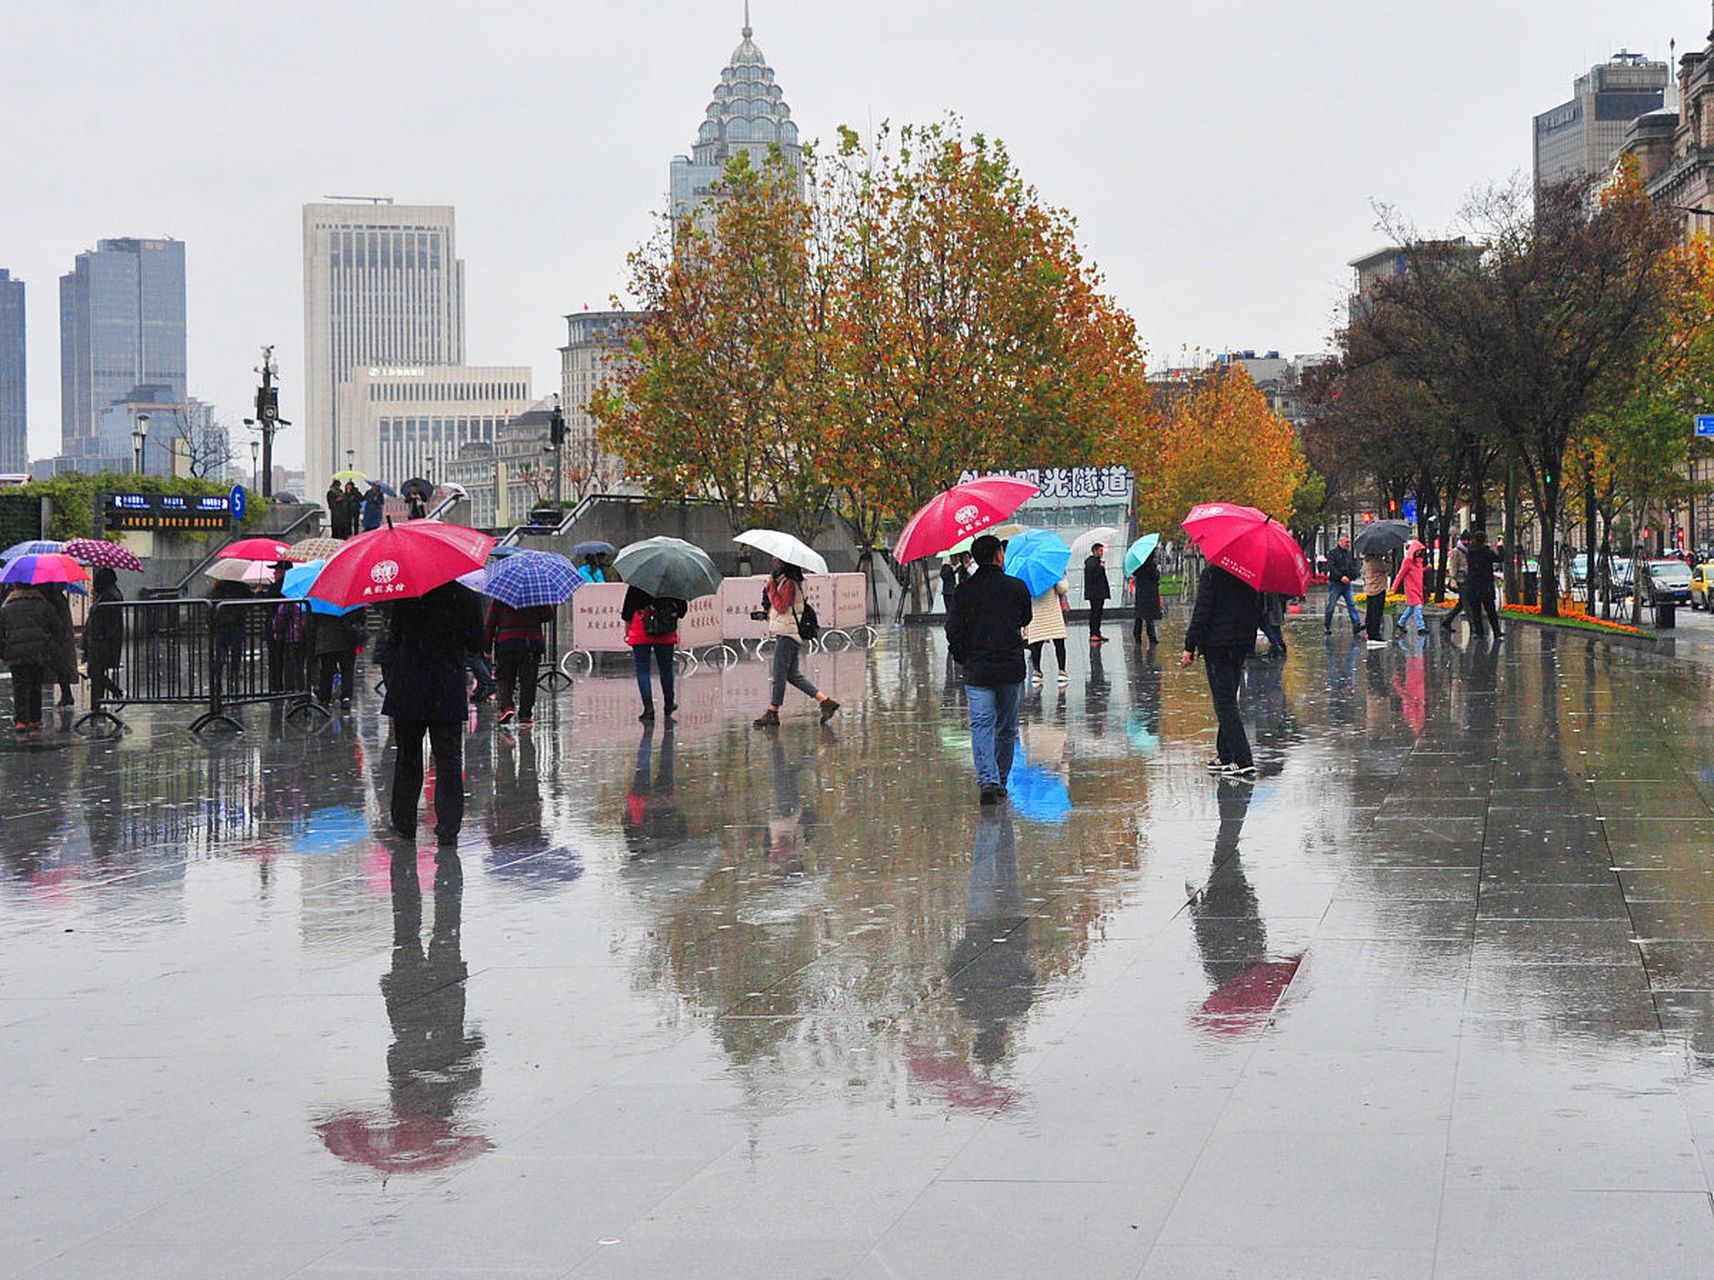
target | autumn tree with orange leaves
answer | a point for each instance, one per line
(1217, 441)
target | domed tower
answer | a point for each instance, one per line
(748, 113)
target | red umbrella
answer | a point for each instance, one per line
(396, 562)
(962, 510)
(1250, 545)
(269, 549)
(108, 555)
(1249, 997)
(399, 1143)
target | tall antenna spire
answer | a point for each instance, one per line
(746, 19)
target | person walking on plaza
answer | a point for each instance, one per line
(985, 636)
(1273, 623)
(1341, 570)
(953, 575)
(651, 628)
(31, 638)
(1375, 605)
(1482, 560)
(334, 641)
(336, 511)
(104, 636)
(517, 638)
(352, 501)
(65, 670)
(1146, 587)
(1096, 591)
(1222, 629)
(1047, 622)
(426, 694)
(1411, 579)
(784, 592)
(374, 508)
(590, 569)
(1458, 570)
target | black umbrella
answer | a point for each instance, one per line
(424, 487)
(1383, 537)
(592, 548)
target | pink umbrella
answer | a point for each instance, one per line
(269, 549)
(108, 555)
(395, 1143)
(1250, 545)
(396, 562)
(35, 570)
(962, 510)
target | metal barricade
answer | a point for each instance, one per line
(189, 652)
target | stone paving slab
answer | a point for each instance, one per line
(1434, 996)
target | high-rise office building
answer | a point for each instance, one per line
(411, 421)
(594, 340)
(122, 327)
(383, 287)
(14, 428)
(1578, 138)
(748, 113)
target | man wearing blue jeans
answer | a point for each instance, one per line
(985, 635)
(1341, 569)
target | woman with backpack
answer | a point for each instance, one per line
(791, 621)
(651, 626)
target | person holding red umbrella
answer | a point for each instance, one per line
(1223, 629)
(426, 694)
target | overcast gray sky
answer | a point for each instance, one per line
(1220, 155)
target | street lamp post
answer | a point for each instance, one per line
(556, 443)
(255, 461)
(139, 438)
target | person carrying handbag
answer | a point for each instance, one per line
(791, 621)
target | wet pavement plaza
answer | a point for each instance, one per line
(1433, 997)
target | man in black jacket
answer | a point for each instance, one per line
(1223, 629)
(426, 693)
(1483, 560)
(1096, 591)
(985, 635)
(1341, 573)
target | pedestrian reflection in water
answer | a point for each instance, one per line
(1230, 933)
(1095, 692)
(433, 1065)
(993, 984)
(789, 825)
(518, 845)
(1143, 725)
(652, 822)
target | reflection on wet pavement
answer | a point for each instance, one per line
(1433, 996)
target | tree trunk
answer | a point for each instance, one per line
(1547, 567)
(1511, 534)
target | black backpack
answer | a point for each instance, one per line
(808, 625)
(660, 620)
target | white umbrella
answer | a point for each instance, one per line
(1085, 542)
(251, 571)
(782, 546)
(1001, 531)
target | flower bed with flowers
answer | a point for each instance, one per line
(1572, 613)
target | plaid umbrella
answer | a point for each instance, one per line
(532, 578)
(37, 547)
(107, 555)
(315, 549)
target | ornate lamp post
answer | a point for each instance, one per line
(139, 438)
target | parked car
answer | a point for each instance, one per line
(1701, 578)
(1666, 580)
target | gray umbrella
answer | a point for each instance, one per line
(1383, 537)
(668, 567)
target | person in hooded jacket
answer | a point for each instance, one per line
(1411, 579)
(429, 637)
(518, 642)
(104, 637)
(65, 668)
(374, 508)
(31, 638)
(1146, 587)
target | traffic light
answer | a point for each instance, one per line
(556, 426)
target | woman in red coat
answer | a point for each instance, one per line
(651, 627)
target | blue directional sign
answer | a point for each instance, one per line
(237, 504)
(1409, 509)
(1705, 424)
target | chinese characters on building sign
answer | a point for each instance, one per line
(1077, 484)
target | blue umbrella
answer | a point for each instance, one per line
(331, 829)
(1139, 551)
(38, 547)
(536, 871)
(1037, 558)
(594, 547)
(1039, 794)
(532, 579)
(300, 581)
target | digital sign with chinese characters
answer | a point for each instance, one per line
(165, 512)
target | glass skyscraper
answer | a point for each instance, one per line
(122, 327)
(14, 431)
